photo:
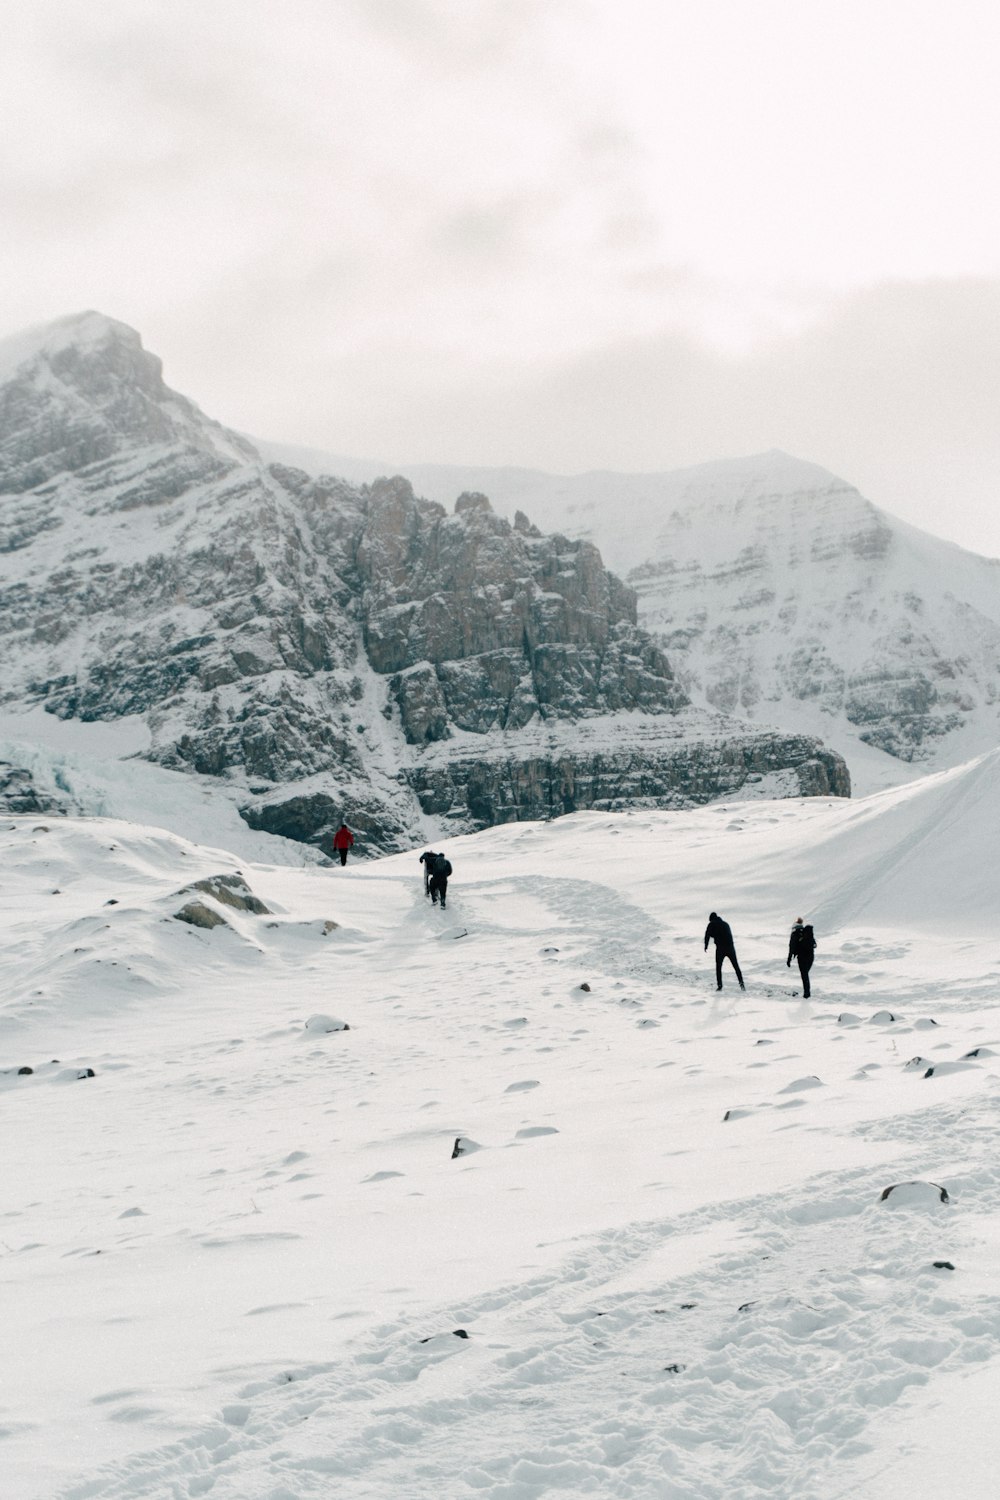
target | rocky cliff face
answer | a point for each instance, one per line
(782, 596)
(330, 649)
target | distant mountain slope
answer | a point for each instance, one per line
(323, 648)
(782, 594)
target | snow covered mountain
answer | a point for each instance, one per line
(319, 649)
(781, 594)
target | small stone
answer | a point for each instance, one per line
(85, 1073)
(459, 1333)
(909, 1193)
(326, 1024)
(943, 1265)
(231, 890)
(23, 1072)
(464, 1146)
(674, 1369)
(586, 987)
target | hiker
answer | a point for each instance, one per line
(440, 869)
(802, 946)
(342, 841)
(722, 935)
(427, 859)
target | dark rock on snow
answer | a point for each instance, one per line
(915, 1193)
(199, 915)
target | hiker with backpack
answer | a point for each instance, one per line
(440, 869)
(802, 946)
(427, 859)
(722, 935)
(343, 839)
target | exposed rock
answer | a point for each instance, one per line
(231, 890)
(643, 769)
(200, 915)
(914, 1194)
(19, 792)
(941, 1070)
(464, 1146)
(23, 1072)
(324, 1024)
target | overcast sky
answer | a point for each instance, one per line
(568, 234)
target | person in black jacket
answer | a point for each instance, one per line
(722, 935)
(427, 859)
(802, 946)
(440, 869)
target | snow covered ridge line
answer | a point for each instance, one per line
(307, 644)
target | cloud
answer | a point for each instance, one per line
(553, 232)
(895, 388)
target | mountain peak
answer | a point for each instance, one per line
(84, 331)
(77, 391)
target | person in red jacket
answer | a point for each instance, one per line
(342, 841)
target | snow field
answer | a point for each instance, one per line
(240, 1252)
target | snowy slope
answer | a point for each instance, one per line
(240, 1252)
(782, 594)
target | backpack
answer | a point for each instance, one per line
(440, 866)
(806, 942)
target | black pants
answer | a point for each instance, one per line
(343, 857)
(730, 953)
(438, 887)
(805, 961)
